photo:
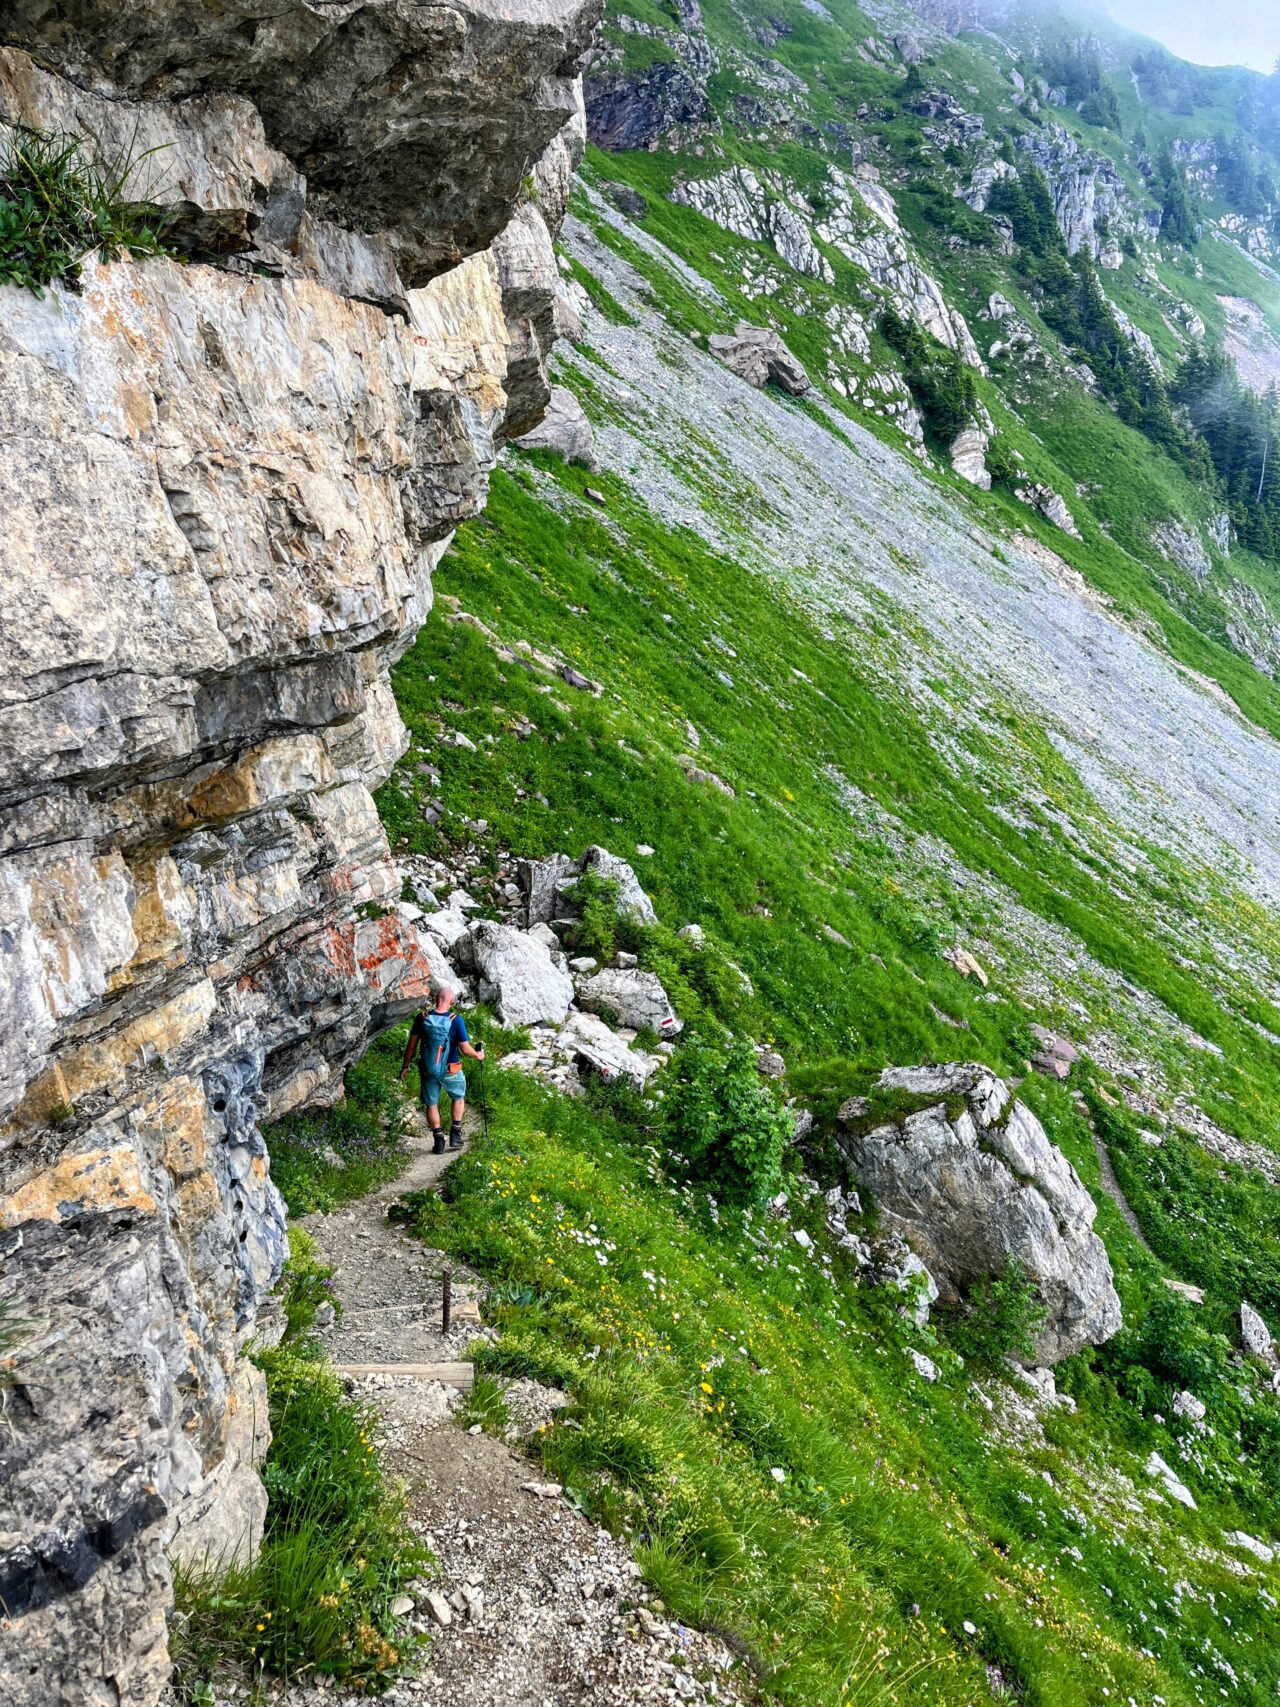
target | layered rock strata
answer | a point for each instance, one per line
(228, 478)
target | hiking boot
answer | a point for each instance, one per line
(455, 1137)
(438, 1148)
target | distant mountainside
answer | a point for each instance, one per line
(1083, 227)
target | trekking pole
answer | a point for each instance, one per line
(484, 1100)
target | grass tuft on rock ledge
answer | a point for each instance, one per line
(60, 203)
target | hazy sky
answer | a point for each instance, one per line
(1208, 32)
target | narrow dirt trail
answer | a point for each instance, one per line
(543, 1609)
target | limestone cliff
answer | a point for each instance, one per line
(228, 478)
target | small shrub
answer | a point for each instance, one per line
(1260, 1437)
(596, 899)
(1176, 1346)
(730, 1129)
(1002, 464)
(58, 204)
(999, 1319)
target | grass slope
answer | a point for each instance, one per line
(706, 1352)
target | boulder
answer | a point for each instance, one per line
(1250, 1544)
(758, 355)
(1255, 1335)
(1188, 1407)
(632, 899)
(637, 998)
(564, 429)
(1051, 505)
(966, 965)
(584, 1046)
(518, 975)
(1165, 1473)
(971, 1181)
(593, 1045)
(540, 881)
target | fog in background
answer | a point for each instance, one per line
(1208, 32)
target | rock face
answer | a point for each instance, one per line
(860, 221)
(971, 1181)
(1089, 195)
(969, 457)
(759, 355)
(420, 121)
(227, 486)
(630, 108)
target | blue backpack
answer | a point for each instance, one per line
(436, 1029)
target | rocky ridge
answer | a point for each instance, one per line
(230, 482)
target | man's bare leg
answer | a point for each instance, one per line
(455, 1130)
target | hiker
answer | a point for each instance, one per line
(442, 1036)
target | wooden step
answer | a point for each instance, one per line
(461, 1375)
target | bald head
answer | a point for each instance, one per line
(444, 999)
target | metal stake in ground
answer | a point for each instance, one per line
(446, 1300)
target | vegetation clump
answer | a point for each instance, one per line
(729, 1128)
(325, 1156)
(337, 1548)
(997, 1321)
(60, 203)
(941, 383)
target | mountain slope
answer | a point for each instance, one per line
(857, 714)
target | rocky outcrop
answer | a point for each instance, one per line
(1182, 545)
(758, 355)
(547, 886)
(1090, 198)
(635, 107)
(227, 485)
(1051, 505)
(880, 246)
(530, 279)
(859, 220)
(971, 1181)
(738, 201)
(968, 454)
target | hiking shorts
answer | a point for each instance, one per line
(454, 1086)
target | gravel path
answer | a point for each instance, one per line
(543, 1609)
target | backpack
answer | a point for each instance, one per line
(436, 1030)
